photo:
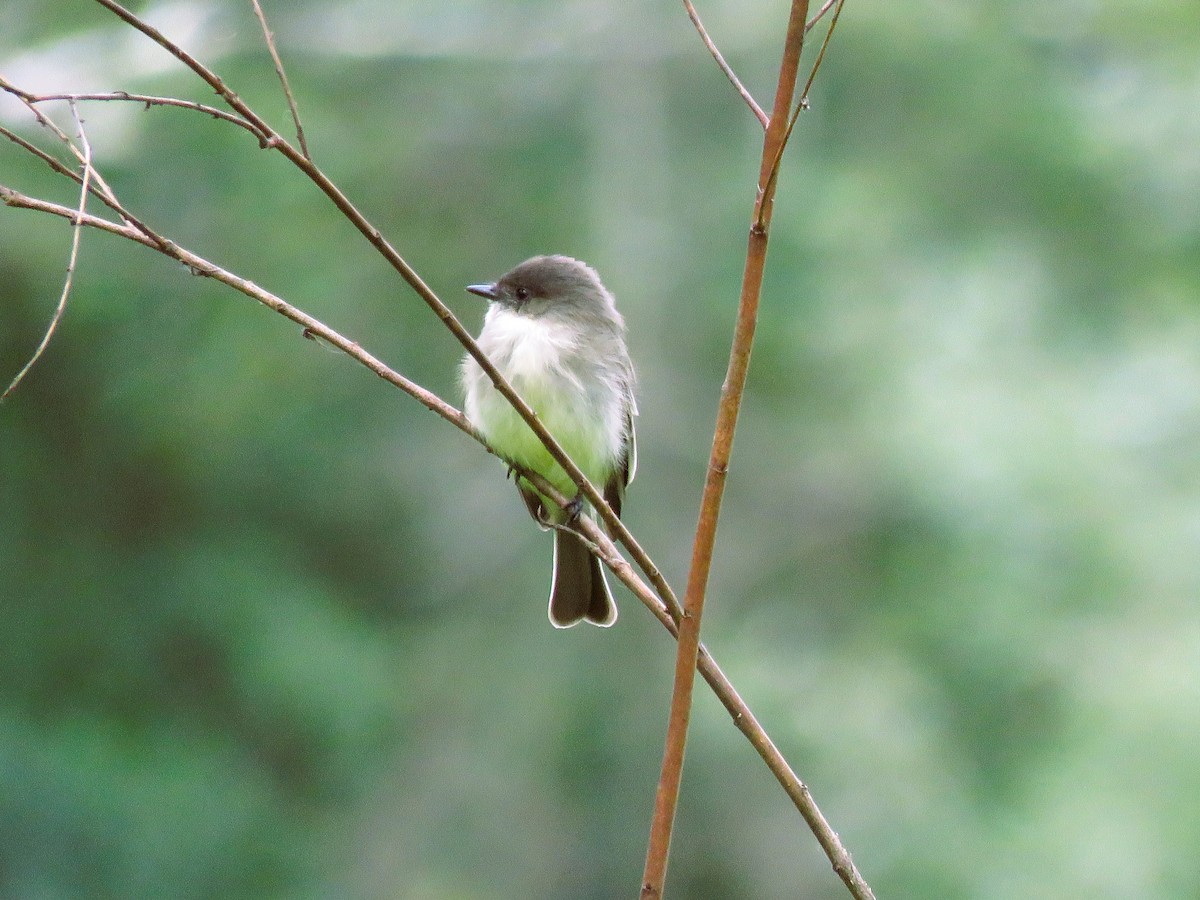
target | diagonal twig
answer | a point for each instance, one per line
(812, 76)
(819, 15)
(76, 231)
(802, 104)
(98, 187)
(283, 79)
(725, 67)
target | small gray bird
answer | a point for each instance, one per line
(553, 331)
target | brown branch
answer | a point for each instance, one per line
(725, 67)
(260, 128)
(667, 795)
(55, 164)
(76, 231)
(283, 79)
(688, 650)
(100, 189)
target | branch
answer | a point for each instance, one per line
(259, 127)
(812, 76)
(125, 96)
(100, 189)
(688, 650)
(820, 15)
(725, 67)
(802, 105)
(283, 79)
(76, 231)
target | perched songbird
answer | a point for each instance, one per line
(554, 333)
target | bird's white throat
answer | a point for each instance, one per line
(524, 347)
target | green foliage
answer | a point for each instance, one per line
(270, 630)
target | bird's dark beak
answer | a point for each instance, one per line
(487, 291)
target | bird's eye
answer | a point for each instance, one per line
(522, 294)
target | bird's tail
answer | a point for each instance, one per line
(578, 589)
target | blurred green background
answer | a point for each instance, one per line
(268, 629)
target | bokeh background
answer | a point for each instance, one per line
(268, 629)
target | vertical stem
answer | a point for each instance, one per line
(667, 795)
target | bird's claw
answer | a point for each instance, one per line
(573, 509)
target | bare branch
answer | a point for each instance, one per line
(260, 127)
(100, 189)
(802, 104)
(41, 154)
(283, 79)
(725, 67)
(198, 265)
(812, 76)
(149, 101)
(76, 231)
(820, 15)
(688, 653)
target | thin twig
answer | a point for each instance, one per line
(76, 231)
(812, 76)
(32, 99)
(260, 128)
(820, 15)
(725, 67)
(283, 79)
(198, 265)
(149, 100)
(802, 103)
(99, 188)
(54, 163)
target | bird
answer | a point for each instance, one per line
(553, 331)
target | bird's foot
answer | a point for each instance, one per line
(574, 508)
